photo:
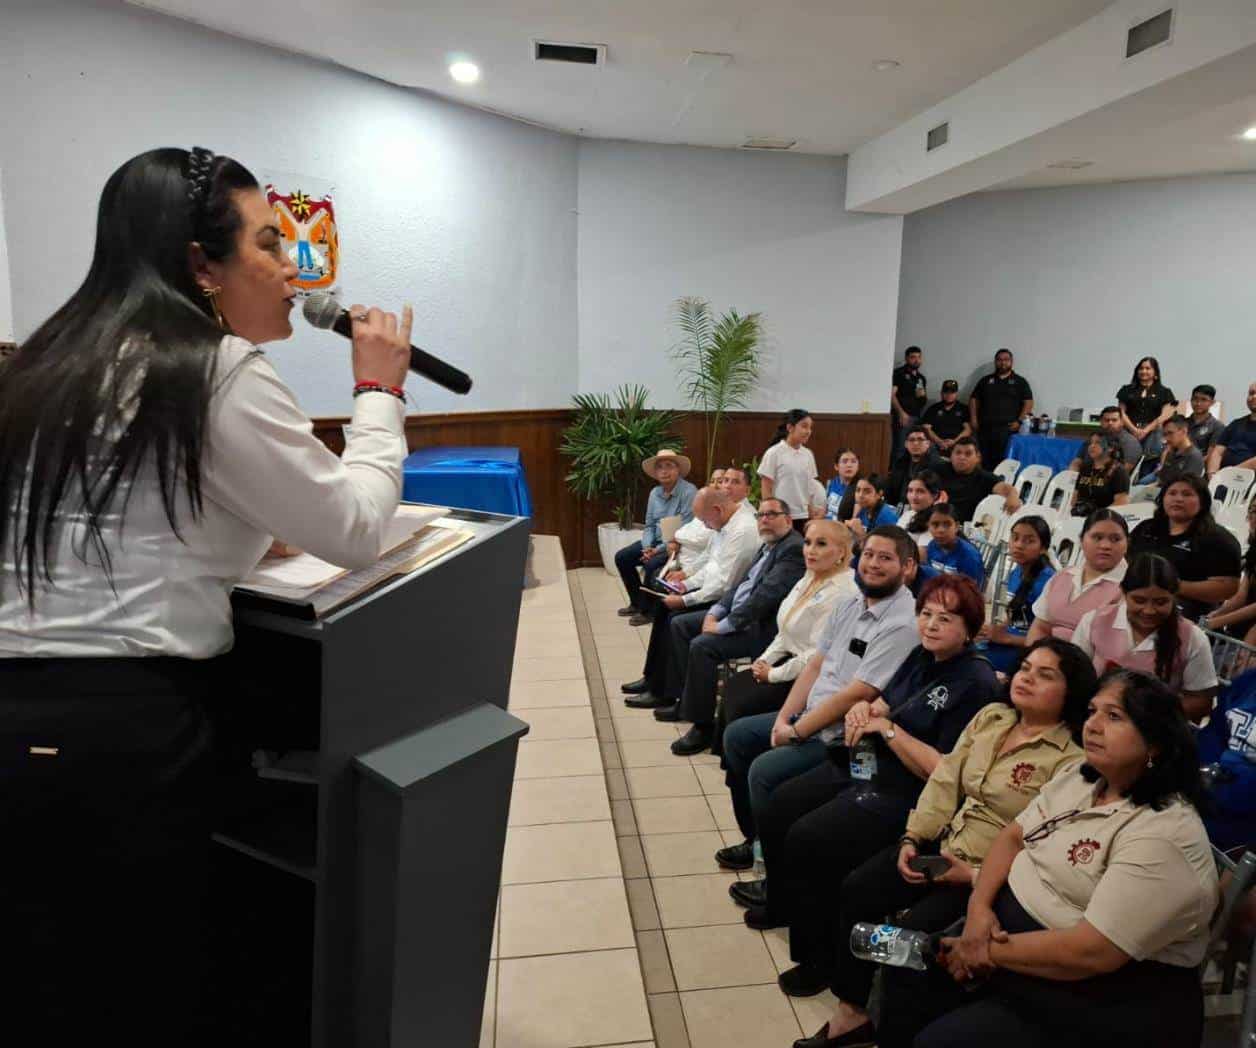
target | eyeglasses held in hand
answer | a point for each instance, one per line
(1044, 830)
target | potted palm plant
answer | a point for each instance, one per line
(607, 440)
(719, 361)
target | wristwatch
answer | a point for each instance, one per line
(888, 734)
(794, 737)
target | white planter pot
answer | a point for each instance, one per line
(611, 539)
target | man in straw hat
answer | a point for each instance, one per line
(671, 497)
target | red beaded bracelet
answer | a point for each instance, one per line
(379, 387)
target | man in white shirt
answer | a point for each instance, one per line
(730, 552)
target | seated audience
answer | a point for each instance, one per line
(788, 467)
(948, 552)
(998, 403)
(730, 553)
(923, 492)
(966, 483)
(800, 620)
(688, 548)
(947, 420)
(862, 645)
(1180, 456)
(1146, 632)
(1227, 751)
(671, 497)
(822, 824)
(1028, 546)
(1236, 444)
(1236, 617)
(1005, 755)
(918, 455)
(1203, 425)
(1102, 480)
(1111, 426)
(873, 510)
(1094, 583)
(1145, 404)
(739, 624)
(1184, 533)
(841, 490)
(1090, 919)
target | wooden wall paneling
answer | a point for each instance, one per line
(538, 435)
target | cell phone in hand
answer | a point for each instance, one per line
(930, 865)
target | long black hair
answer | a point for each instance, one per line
(1080, 679)
(919, 522)
(1157, 714)
(1030, 572)
(792, 418)
(125, 369)
(1155, 365)
(1203, 523)
(1144, 571)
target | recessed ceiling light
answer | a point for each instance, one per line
(464, 72)
(1250, 134)
(885, 65)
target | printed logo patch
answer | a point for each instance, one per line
(1082, 852)
(937, 698)
(1022, 773)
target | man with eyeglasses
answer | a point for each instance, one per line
(741, 623)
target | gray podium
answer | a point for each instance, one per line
(400, 820)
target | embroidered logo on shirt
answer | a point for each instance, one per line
(1081, 852)
(937, 697)
(1021, 774)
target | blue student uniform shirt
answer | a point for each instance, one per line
(836, 492)
(1020, 625)
(885, 515)
(678, 504)
(963, 560)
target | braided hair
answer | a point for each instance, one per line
(1145, 571)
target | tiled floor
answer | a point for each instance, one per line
(615, 925)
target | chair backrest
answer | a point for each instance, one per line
(1059, 492)
(1066, 541)
(1230, 657)
(1007, 470)
(1031, 482)
(1136, 512)
(988, 519)
(1230, 486)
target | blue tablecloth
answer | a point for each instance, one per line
(486, 478)
(1056, 452)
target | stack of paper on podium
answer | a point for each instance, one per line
(414, 537)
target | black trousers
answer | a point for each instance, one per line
(874, 893)
(744, 697)
(627, 561)
(662, 671)
(104, 769)
(701, 657)
(993, 440)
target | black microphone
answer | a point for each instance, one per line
(325, 312)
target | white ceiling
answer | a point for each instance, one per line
(801, 69)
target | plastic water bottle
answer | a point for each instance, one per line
(863, 760)
(760, 867)
(1026, 425)
(897, 947)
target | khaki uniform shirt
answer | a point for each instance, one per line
(974, 792)
(1144, 879)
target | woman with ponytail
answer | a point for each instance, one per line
(1146, 632)
(788, 467)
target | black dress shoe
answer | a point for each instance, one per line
(640, 619)
(629, 610)
(645, 701)
(695, 740)
(803, 980)
(864, 1036)
(749, 893)
(636, 687)
(736, 857)
(669, 713)
(758, 918)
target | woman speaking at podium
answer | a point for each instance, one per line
(149, 453)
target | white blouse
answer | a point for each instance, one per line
(263, 474)
(797, 632)
(791, 471)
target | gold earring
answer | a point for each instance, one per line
(212, 294)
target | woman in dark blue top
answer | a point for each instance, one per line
(812, 839)
(1028, 546)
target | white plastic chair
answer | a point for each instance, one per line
(1230, 486)
(1059, 493)
(1007, 470)
(989, 519)
(1066, 541)
(1136, 512)
(1031, 482)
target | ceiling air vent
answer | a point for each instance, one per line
(769, 143)
(937, 136)
(572, 54)
(1148, 34)
(1071, 165)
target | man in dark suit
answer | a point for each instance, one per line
(741, 623)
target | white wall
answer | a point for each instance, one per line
(1080, 282)
(6, 302)
(466, 215)
(750, 231)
